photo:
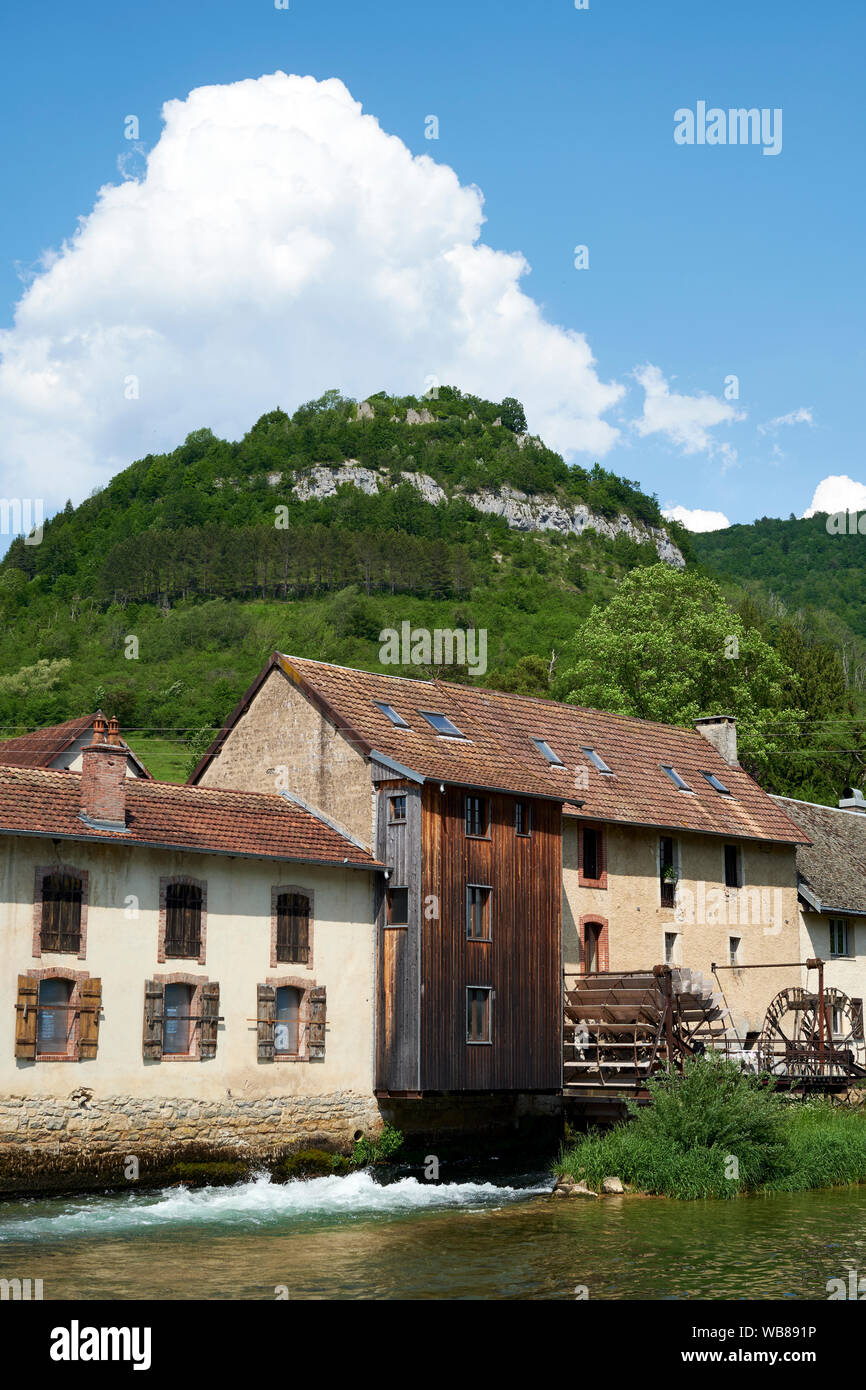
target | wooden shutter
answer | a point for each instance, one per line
(26, 1017)
(316, 1023)
(857, 1018)
(266, 1013)
(293, 928)
(88, 1031)
(61, 913)
(183, 907)
(210, 1007)
(154, 1014)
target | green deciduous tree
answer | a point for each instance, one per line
(668, 647)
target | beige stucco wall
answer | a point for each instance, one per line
(282, 743)
(706, 915)
(847, 973)
(122, 951)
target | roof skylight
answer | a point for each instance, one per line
(441, 723)
(597, 760)
(675, 777)
(392, 714)
(716, 783)
(545, 749)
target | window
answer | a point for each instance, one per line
(667, 871)
(441, 723)
(675, 777)
(839, 936)
(597, 761)
(398, 907)
(478, 1014)
(293, 928)
(545, 749)
(397, 810)
(55, 1018)
(670, 947)
(62, 895)
(591, 947)
(476, 817)
(716, 783)
(732, 866)
(177, 1027)
(591, 852)
(734, 943)
(183, 902)
(287, 1028)
(477, 912)
(523, 817)
(392, 714)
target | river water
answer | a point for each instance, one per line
(355, 1238)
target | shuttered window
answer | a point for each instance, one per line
(287, 1023)
(183, 904)
(56, 1017)
(177, 1026)
(293, 928)
(62, 895)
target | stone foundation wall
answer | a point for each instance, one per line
(54, 1143)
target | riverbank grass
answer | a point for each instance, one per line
(715, 1131)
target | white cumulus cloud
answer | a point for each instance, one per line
(838, 493)
(685, 420)
(279, 243)
(694, 519)
(801, 416)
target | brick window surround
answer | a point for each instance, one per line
(303, 986)
(603, 948)
(601, 841)
(44, 871)
(163, 890)
(178, 977)
(307, 893)
(77, 977)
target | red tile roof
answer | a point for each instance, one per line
(40, 747)
(40, 801)
(498, 752)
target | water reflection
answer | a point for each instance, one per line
(353, 1239)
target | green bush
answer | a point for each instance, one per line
(382, 1149)
(309, 1163)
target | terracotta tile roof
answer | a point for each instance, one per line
(41, 747)
(499, 752)
(833, 866)
(40, 801)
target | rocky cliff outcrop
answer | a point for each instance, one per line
(521, 511)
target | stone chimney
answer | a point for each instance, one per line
(721, 731)
(103, 777)
(853, 800)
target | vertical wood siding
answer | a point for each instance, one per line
(399, 982)
(522, 962)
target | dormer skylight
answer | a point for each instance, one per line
(441, 723)
(545, 749)
(675, 777)
(597, 760)
(389, 710)
(716, 783)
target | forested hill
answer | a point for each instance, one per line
(212, 555)
(800, 566)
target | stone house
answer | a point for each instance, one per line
(178, 967)
(670, 851)
(831, 885)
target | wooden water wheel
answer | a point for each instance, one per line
(790, 1043)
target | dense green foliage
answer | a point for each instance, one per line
(383, 1149)
(160, 597)
(683, 1143)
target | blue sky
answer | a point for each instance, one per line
(703, 261)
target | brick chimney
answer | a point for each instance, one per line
(853, 800)
(721, 731)
(103, 777)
